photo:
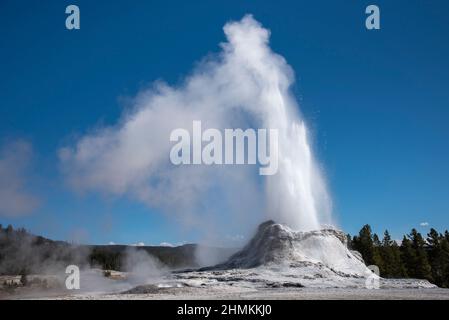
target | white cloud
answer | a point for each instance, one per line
(138, 244)
(424, 224)
(15, 199)
(166, 244)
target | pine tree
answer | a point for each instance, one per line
(386, 241)
(444, 263)
(387, 256)
(377, 255)
(376, 241)
(363, 243)
(436, 255)
(408, 257)
(422, 268)
(398, 267)
(391, 257)
(439, 257)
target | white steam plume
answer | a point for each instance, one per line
(246, 85)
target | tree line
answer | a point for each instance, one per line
(415, 257)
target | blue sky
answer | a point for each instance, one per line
(377, 102)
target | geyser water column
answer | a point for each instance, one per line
(297, 195)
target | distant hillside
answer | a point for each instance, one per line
(25, 253)
(112, 256)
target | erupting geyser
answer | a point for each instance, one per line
(297, 195)
(246, 85)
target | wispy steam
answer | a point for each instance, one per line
(15, 199)
(142, 267)
(245, 85)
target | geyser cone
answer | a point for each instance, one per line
(277, 245)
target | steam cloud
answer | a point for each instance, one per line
(245, 85)
(15, 200)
